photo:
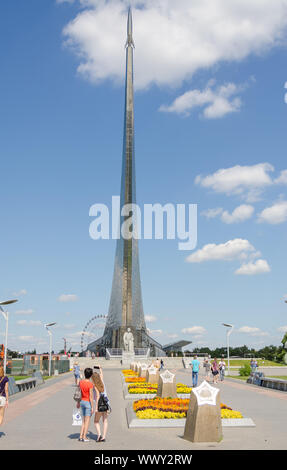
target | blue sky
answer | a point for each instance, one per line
(210, 122)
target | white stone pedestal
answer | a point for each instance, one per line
(127, 358)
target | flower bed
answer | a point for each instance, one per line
(145, 388)
(172, 408)
(135, 380)
(128, 372)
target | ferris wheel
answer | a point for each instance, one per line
(93, 330)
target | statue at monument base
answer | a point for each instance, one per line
(128, 354)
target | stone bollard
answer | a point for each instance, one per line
(203, 421)
(142, 370)
(167, 385)
(152, 375)
(132, 366)
(137, 366)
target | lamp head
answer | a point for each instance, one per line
(8, 302)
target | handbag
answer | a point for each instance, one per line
(77, 418)
(2, 401)
(78, 394)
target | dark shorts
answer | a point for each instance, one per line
(214, 372)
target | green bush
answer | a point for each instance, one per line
(245, 370)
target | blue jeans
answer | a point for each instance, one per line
(86, 408)
(194, 378)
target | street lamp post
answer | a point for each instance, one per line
(50, 352)
(228, 333)
(6, 317)
(65, 346)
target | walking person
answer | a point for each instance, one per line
(161, 364)
(222, 367)
(207, 366)
(100, 391)
(86, 403)
(195, 364)
(4, 394)
(215, 370)
(76, 373)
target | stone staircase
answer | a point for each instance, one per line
(169, 362)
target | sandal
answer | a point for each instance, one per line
(99, 438)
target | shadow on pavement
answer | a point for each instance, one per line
(2, 434)
(75, 436)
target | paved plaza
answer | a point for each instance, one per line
(42, 419)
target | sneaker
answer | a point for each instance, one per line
(86, 440)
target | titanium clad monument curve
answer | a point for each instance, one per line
(126, 306)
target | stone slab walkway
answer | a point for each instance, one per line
(42, 419)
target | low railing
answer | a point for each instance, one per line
(26, 384)
(116, 353)
(258, 378)
(276, 384)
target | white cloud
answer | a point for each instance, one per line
(283, 329)
(173, 39)
(194, 330)
(26, 338)
(275, 214)
(172, 335)
(150, 318)
(282, 179)
(252, 331)
(25, 312)
(237, 249)
(68, 298)
(30, 322)
(247, 181)
(240, 214)
(216, 103)
(155, 332)
(212, 213)
(21, 292)
(69, 326)
(231, 250)
(252, 268)
(35, 323)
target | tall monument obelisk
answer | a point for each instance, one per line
(126, 309)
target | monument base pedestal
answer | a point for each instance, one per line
(128, 358)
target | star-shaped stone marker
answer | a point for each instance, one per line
(205, 394)
(167, 377)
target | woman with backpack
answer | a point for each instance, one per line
(102, 405)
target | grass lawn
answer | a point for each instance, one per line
(237, 377)
(265, 363)
(20, 377)
(281, 377)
